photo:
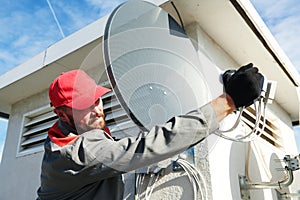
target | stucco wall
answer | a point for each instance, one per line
(20, 175)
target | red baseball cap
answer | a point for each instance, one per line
(75, 89)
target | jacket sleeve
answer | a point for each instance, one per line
(95, 148)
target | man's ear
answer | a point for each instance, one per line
(61, 114)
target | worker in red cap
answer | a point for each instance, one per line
(83, 162)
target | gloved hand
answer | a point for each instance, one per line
(243, 85)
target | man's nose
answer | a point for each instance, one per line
(97, 110)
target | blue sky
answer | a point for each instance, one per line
(283, 19)
(28, 27)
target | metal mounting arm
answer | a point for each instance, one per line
(245, 185)
(292, 164)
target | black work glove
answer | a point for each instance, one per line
(243, 85)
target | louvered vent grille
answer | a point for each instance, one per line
(271, 132)
(36, 125)
(118, 122)
(37, 122)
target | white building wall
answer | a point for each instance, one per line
(20, 175)
(223, 155)
(228, 160)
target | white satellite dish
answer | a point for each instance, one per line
(152, 65)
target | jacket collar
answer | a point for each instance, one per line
(66, 129)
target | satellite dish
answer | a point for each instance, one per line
(152, 65)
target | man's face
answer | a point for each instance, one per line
(88, 119)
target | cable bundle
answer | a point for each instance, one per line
(195, 177)
(256, 131)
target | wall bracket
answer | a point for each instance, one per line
(292, 164)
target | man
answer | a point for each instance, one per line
(81, 159)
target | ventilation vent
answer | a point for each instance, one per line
(117, 120)
(37, 122)
(270, 134)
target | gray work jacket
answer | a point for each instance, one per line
(90, 165)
